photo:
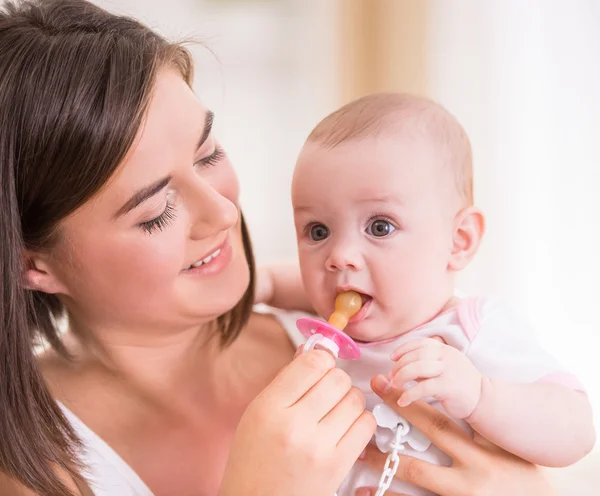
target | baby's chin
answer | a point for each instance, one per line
(369, 331)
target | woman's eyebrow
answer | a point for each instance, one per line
(142, 195)
(208, 123)
(152, 189)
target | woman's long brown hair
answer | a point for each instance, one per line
(75, 82)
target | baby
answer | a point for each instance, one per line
(383, 205)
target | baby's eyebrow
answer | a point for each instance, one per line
(302, 209)
(382, 199)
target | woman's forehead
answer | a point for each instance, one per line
(168, 137)
(174, 121)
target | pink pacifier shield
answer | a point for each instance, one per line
(349, 350)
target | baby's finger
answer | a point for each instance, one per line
(424, 389)
(299, 351)
(442, 431)
(425, 353)
(413, 344)
(418, 370)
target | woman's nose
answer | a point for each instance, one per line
(211, 212)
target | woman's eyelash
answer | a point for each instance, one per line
(160, 222)
(212, 159)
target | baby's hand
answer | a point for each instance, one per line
(441, 372)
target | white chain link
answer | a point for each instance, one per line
(391, 464)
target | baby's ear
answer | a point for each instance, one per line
(469, 226)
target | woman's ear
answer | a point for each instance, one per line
(39, 275)
(469, 226)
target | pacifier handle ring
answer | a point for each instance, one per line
(323, 342)
(347, 349)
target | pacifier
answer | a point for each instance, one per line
(329, 335)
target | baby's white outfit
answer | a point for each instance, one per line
(500, 345)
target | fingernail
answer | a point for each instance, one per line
(381, 384)
(394, 356)
(363, 491)
(363, 454)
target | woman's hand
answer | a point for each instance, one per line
(301, 435)
(478, 467)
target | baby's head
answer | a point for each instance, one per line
(383, 205)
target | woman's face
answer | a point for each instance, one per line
(160, 247)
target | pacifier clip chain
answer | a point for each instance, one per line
(391, 463)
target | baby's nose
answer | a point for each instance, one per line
(343, 258)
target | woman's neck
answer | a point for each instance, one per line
(173, 366)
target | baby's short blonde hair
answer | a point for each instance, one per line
(395, 113)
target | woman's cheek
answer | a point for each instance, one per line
(163, 251)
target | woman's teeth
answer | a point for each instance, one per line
(205, 260)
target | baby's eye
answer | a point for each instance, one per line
(318, 232)
(380, 228)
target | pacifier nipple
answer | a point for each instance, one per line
(347, 304)
(329, 335)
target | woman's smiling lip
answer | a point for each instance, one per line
(213, 262)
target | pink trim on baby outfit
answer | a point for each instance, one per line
(563, 379)
(468, 312)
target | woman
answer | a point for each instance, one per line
(120, 211)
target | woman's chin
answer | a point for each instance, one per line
(223, 297)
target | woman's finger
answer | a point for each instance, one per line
(418, 370)
(325, 395)
(371, 491)
(439, 428)
(355, 440)
(298, 377)
(435, 478)
(337, 422)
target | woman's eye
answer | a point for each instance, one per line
(160, 222)
(212, 159)
(380, 228)
(318, 232)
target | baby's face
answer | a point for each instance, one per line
(374, 215)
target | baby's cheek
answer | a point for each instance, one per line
(313, 280)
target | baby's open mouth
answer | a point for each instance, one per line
(365, 298)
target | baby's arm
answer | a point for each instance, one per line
(280, 285)
(501, 386)
(545, 423)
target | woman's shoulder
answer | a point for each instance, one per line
(278, 325)
(267, 331)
